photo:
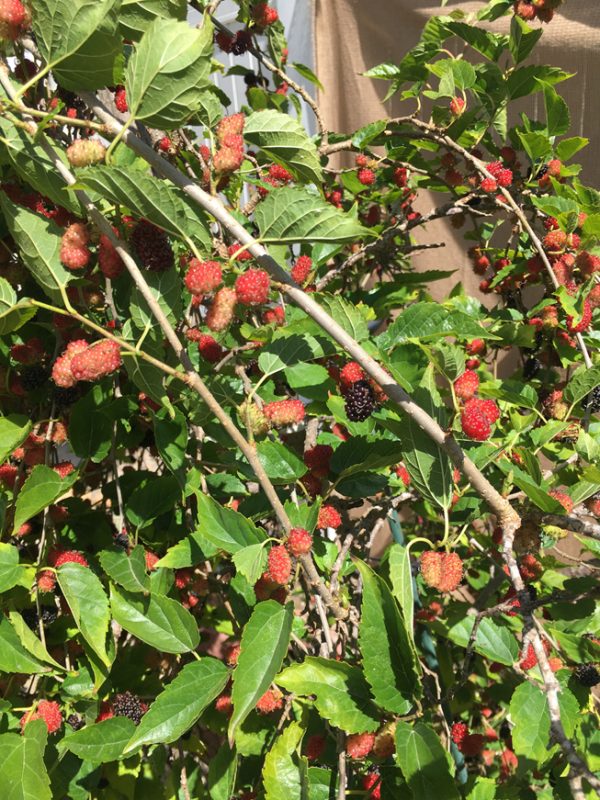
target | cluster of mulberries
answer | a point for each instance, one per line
(84, 362)
(477, 415)
(152, 246)
(532, 9)
(129, 705)
(441, 571)
(230, 154)
(74, 251)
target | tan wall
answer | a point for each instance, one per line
(352, 36)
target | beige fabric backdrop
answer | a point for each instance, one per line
(353, 35)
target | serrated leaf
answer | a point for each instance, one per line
(102, 742)
(280, 463)
(168, 72)
(136, 15)
(14, 657)
(180, 704)
(38, 240)
(285, 772)
(387, 656)
(251, 562)
(10, 569)
(428, 465)
(153, 498)
(264, 645)
(14, 429)
(363, 136)
(90, 428)
(159, 621)
(341, 692)
(402, 584)
(30, 641)
(522, 39)
(423, 321)
(42, 488)
(13, 314)
(492, 641)
(222, 772)
(34, 166)
(171, 437)
(165, 287)
(558, 118)
(422, 759)
(566, 149)
(284, 351)
(581, 383)
(295, 214)
(88, 602)
(286, 142)
(360, 454)
(224, 528)
(150, 198)
(78, 40)
(128, 570)
(531, 719)
(346, 314)
(23, 773)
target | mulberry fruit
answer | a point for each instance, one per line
(587, 675)
(279, 566)
(359, 401)
(328, 518)
(221, 310)
(252, 287)
(301, 269)
(442, 571)
(203, 277)
(96, 361)
(299, 542)
(466, 385)
(284, 412)
(129, 705)
(359, 745)
(152, 246)
(49, 711)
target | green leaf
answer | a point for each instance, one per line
(179, 706)
(90, 427)
(168, 72)
(10, 569)
(14, 657)
(402, 584)
(14, 429)
(423, 321)
(165, 287)
(387, 656)
(531, 718)
(150, 198)
(136, 15)
(490, 45)
(264, 644)
(78, 40)
(153, 498)
(251, 562)
(281, 464)
(34, 166)
(283, 351)
(13, 314)
(23, 773)
(222, 772)
(159, 621)
(360, 454)
(286, 142)
(346, 314)
(38, 240)
(171, 437)
(422, 759)
(522, 39)
(582, 382)
(484, 789)
(102, 742)
(294, 214)
(428, 465)
(527, 80)
(129, 571)
(30, 641)
(557, 112)
(566, 149)
(492, 641)
(42, 488)
(285, 773)
(226, 529)
(366, 134)
(341, 692)
(89, 605)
